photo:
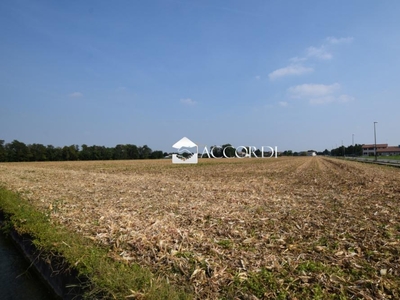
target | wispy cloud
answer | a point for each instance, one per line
(289, 70)
(297, 59)
(319, 93)
(334, 40)
(345, 98)
(331, 98)
(76, 95)
(297, 63)
(283, 103)
(320, 53)
(312, 90)
(258, 77)
(188, 101)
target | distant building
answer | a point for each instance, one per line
(311, 153)
(381, 149)
(390, 150)
(369, 149)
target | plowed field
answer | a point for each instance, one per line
(289, 228)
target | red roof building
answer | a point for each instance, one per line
(381, 149)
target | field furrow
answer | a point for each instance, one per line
(286, 227)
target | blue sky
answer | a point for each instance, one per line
(294, 74)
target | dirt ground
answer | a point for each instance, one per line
(233, 228)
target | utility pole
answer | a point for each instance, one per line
(353, 143)
(375, 140)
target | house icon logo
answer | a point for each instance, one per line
(187, 152)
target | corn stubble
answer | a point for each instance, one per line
(289, 228)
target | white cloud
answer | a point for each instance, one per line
(297, 59)
(312, 90)
(333, 40)
(76, 95)
(188, 101)
(319, 93)
(258, 77)
(323, 52)
(345, 98)
(283, 103)
(289, 70)
(320, 53)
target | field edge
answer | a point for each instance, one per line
(72, 266)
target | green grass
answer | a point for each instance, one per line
(287, 283)
(107, 278)
(394, 157)
(227, 244)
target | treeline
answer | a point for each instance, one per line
(304, 153)
(351, 150)
(17, 151)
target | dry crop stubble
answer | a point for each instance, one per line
(286, 227)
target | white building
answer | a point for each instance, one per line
(311, 153)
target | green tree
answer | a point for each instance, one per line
(229, 150)
(70, 152)
(105, 153)
(17, 151)
(358, 149)
(3, 155)
(120, 152)
(216, 151)
(157, 154)
(289, 153)
(258, 153)
(144, 152)
(38, 152)
(96, 152)
(53, 153)
(85, 154)
(132, 151)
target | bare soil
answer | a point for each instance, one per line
(233, 228)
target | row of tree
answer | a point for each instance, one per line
(355, 150)
(303, 153)
(18, 151)
(351, 150)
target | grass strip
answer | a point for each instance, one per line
(107, 278)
